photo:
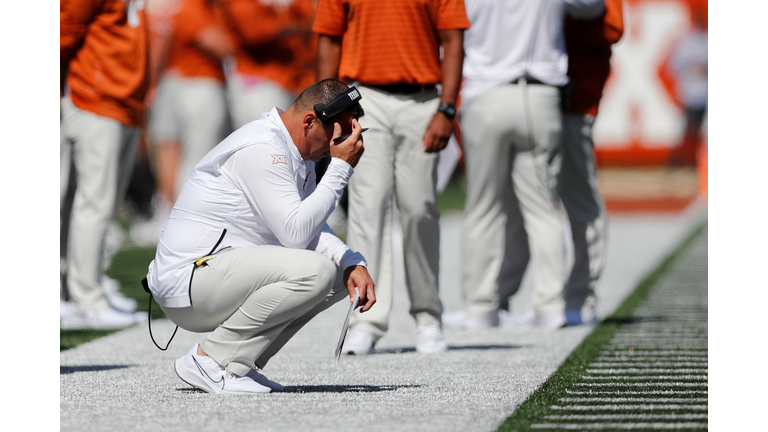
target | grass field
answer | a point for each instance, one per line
(129, 266)
(678, 392)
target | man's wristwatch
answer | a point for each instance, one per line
(448, 110)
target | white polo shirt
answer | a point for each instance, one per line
(252, 189)
(509, 39)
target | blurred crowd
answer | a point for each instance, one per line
(149, 87)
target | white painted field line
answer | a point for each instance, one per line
(631, 363)
(660, 346)
(647, 377)
(588, 426)
(652, 359)
(687, 416)
(659, 335)
(646, 330)
(632, 399)
(631, 392)
(649, 352)
(656, 384)
(672, 342)
(646, 370)
(647, 347)
(622, 407)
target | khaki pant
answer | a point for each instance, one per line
(395, 168)
(101, 153)
(250, 97)
(510, 136)
(254, 299)
(191, 112)
(577, 185)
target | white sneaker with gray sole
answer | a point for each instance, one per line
(429, 339)
(108, 318)
(459, 319)
(204, 373)
(358, 342)
(115, 298)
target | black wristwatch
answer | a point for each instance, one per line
(448, 110)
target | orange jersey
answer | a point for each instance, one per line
(103, 48)
(273, 41)
(589, 53)
(185, 56)
(389, 41)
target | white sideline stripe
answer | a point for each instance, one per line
(626, 417)
(645, 370)
(681, 338)
(630, 357)
(648, 377)
(642, 407)
(700, 353)
(648, 364)
(656, 384)
(586, 426)
(630, 392)
(659, 342)
(647, 346)
(662, 332)
(632, 399)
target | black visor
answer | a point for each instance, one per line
(341, 103)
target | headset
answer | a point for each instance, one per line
(344, 101)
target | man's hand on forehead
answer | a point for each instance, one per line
(351, 149)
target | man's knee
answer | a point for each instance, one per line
(321, 270)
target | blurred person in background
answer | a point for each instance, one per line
(391, 51)
(103, 53)
(188, 116)
(274, 55)
(690, 67)
(588, 42)
(511, 123)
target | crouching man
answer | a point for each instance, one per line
(246, 253)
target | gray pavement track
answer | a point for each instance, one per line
(123, 382)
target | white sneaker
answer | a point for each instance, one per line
(550, 322)
(115, 298)
(509, 319)
(266, 382)
(358, 342)
(204, 373)
(66, 309)
(576, 318)
(104, 319)
(146, 232)
(459, 319)
(429, 339)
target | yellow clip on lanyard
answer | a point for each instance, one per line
(201, 261)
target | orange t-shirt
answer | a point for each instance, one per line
(264, 50)
(589, 55)
(103, 47)
(185, 56)
(389, 41)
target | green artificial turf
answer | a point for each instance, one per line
(129, 266)
(453, 197)
(537, 405)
